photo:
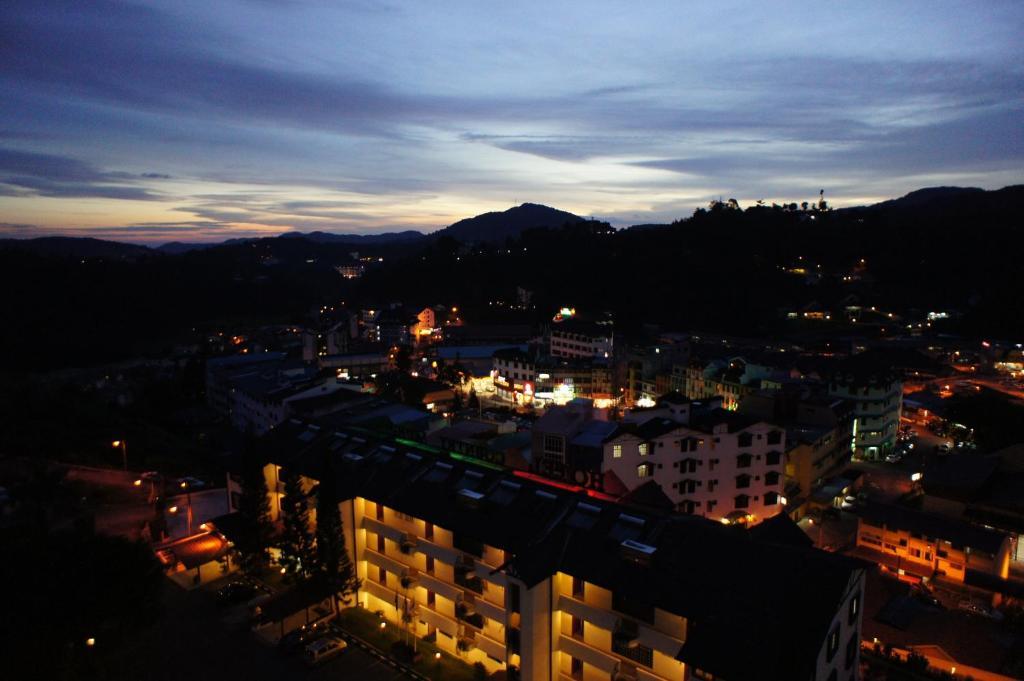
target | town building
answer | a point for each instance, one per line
(983, 490)
(819, 436)
(356, 365)
(544, 581)
(334, 338)
(731, 379)
(221, 370)
(706, 460)
(393, 326)
(877, 396)
(580, 339)
(921, 545)
(523, 378)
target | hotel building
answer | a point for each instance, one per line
(546, 581)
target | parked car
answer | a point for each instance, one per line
(323, 649)
(192, 483)
(235, 592)
(975, 608)
(297, 639)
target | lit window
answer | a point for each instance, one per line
(643, 449)
(644, 470)
(617, 451)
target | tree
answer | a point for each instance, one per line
(254, 509)
(334, 566)
(473, 402)
(296, 541)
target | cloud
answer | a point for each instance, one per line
(13, 229)
(27, 173)
(349, 116)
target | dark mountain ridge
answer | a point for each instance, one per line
(496, 227)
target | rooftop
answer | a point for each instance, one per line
(550, 527)
(960, 533)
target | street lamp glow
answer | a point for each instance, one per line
(90, 641)
(115, 443)
(437, 656)
(138, 482)
(383, 624)
(172, 509)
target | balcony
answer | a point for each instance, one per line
(467, 579)
(466, 612)
(440, 588)
(408, 544)
(378, 559)
(380, 528)
(490, 610)
(596, 616)
(436, 552)
(625, 637)
(487, 644)
(436, 619)
(589, 654)
(379, 590)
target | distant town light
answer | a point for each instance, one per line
(915, 477)
(90, 641)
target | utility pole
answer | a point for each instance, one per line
(123, 444)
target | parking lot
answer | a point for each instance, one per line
(196, 639)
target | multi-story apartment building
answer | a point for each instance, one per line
(576, 338)
(731, 379)
(521, 378)
(547, 582)
(514, 374)
(819, 430)
(707, 460)
(927, 545)
(878, 400)
(221, 371)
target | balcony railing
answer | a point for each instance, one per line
(468, 580)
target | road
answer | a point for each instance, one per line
(985, 381)
(192, 642)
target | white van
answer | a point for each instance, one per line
(323, 649)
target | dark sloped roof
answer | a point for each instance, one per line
(961, 534)
(780, 529)
(649, 495)
(706, 420)
(673, 397)
(960, 476)
(699, 569)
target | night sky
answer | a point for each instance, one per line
(201, 120)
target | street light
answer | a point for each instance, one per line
(188, 503)
(123, 444)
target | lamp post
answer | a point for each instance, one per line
(188, 505)
(123, 444)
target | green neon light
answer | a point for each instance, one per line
(417, 445)
(474, 460)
